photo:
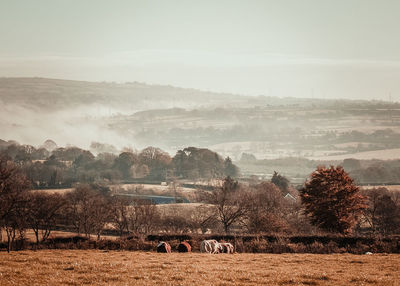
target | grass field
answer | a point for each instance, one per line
(387, 154)
(79, 267)
(392, 188)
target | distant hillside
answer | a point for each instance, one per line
(55, 94)
(137, 115)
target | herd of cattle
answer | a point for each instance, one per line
(207, 246)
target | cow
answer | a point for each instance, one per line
(164, 247)
(184, 246)
(210, 246)
(226, 247)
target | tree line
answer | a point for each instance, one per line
(63, 167)
(329, 201)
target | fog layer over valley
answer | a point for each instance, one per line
(74, 112)
(137, 115)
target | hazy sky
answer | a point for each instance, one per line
(337, 48)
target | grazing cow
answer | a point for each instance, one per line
(184, 246)
(164, 247)
(210, 246)
(226, 247)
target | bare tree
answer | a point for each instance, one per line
(204, 218)
(382, 214)
(387, 215)
(231, 201)
(266, 208)
(370, 213)
(174, 223)
(120, 213)
(42, 211)
(100, 213)
(143, 216)
(88, 210)
(13, 186)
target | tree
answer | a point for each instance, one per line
(230, 169)
(370, 212)
(42, 211)
(194, 163)
(382, 214)
(231, 203)
(68, 154)
(124, 162)
(157, 162)
(351, 164)
(266, 209)
(120, 212)
(98, 147)
(13, 187)
(331, 200)
(280, 181)
(387, 217)
(88, 210)
(203, 217)
(174, 223)
(100, 211)
(140, 171)
(143, 216)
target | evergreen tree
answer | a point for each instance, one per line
(280, 181)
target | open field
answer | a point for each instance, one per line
(78, 267)
(30, 235)
(388, 154)
(55, 191)
(393, 188)
(156, 189)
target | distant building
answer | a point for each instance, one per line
(289, 196)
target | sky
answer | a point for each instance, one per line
(307, 48)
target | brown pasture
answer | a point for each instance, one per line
(94, 267)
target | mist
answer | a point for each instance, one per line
(69, 127)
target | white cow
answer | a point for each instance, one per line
(210, 246)
(226, 247)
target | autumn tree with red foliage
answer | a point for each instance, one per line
(331, 200)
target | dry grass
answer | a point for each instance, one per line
(78, 267)
(55, 191)
(30, 235)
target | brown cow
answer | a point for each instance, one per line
(164, 247)
(184, 246)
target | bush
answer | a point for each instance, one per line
(249, 243)
(316, 247)
(297, 247)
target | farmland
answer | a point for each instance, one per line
(138, 115)
(387, 154)
(135, 116)
(66, 267)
